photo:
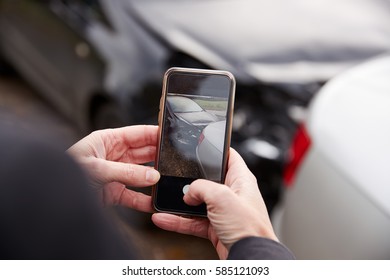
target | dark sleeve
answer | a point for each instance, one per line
(258, 248)
(47, 210)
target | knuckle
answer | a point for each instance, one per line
(129, 171)
(196, 227)
(130, 197)
(247, 180)
(134, 200)
(222, 191)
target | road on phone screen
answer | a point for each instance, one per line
(179, 160)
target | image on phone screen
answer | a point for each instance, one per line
(194, 135)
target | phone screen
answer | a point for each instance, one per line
(194, 134)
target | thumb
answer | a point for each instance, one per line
(206, 191)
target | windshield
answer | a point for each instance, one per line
(181, 104)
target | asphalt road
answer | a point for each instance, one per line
(178, 159)
(19, 103)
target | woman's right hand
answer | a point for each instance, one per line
(235, 210)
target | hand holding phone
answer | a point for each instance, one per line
(195, 122)
(237, 210)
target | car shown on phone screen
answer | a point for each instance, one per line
(187, 119)
(209, 150)
(336, 203)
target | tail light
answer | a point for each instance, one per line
(201, 138)
(300, 144)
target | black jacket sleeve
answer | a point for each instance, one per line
(258, 248)
(47, 210)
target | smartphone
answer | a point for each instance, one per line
(195, 122)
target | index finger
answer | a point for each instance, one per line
(137, 135)
(120, 144)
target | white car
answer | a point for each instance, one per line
(336, 204)
(209, 150)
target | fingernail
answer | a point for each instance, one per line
(152, 175)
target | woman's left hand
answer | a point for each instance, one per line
(113, 158)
